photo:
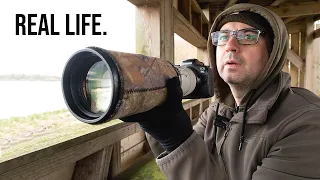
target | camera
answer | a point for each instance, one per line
(196, 79)
(99, 85)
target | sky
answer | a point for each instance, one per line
(48, 54)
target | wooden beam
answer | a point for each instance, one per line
(316, 33)
(145, 2)
(296, 26)
(185, 30)
(294, 75)
(293, 66)
(230, 3)
(296, 9)
(290, 19)
(62, 157)
(278, 2)
(310, 56)
(295, 43)
(295, 59)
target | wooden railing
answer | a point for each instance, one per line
(101, 154)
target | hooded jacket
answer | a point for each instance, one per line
(274, 134)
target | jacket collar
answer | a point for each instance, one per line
(258, 112)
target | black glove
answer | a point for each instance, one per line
(168, 123)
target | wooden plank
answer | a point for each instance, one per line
(145, 2)
(184, 7)
(115, 165)
(154, 31)
(310, 59)
(185, 30)
(94, 166)
(46, 149)
(196, 21)
(290, 19)
(295, 43)
(175, 4)
(296, 9)
(302, 46)
(278, 2)
(195, 111)
(199, 19)
(167, 31)
(128, 157)
(316, 33)
(301, 78)
(294, 76)
(205, 30)
(295, 59)
(53, 162)
(64, 173)
(132, 140)
(230, 3)
(285, 67)
(195, 7)
(148, 31)
(296, 26)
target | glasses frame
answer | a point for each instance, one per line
(235, 33)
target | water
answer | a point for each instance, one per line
(22, 98)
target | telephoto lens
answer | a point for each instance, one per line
(99, 85)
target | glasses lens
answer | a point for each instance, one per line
(247, 37)
(99, 87)
(220, 38)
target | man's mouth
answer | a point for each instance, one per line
(231, 62)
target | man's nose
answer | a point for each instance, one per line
(232, 44)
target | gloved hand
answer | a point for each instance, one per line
(168, 123)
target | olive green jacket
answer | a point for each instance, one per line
(281, 133)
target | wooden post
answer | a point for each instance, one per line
(293, 69)
(154, 30)
(167, 32)
(285, 67)
(155, 33)
(115, 164)
(302, 54)
(310, 59)
(95, 166)
(317, 63)
(294, 76)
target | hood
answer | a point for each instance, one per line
(273, 67)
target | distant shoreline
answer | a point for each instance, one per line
(23, 77)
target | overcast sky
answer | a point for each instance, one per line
(47, 55)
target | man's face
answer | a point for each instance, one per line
(240, 64)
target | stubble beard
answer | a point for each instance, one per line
(236, 80)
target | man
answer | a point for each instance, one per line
(258, 127)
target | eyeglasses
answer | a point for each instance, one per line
(248, 36)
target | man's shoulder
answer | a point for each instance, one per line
(296, 102)
(304, 97)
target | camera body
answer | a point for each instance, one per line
(196, 79)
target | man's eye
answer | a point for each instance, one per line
(223, 37)
(250, 37)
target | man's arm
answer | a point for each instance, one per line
(192, 159)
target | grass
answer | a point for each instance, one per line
(148, 171)
(22, 135)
